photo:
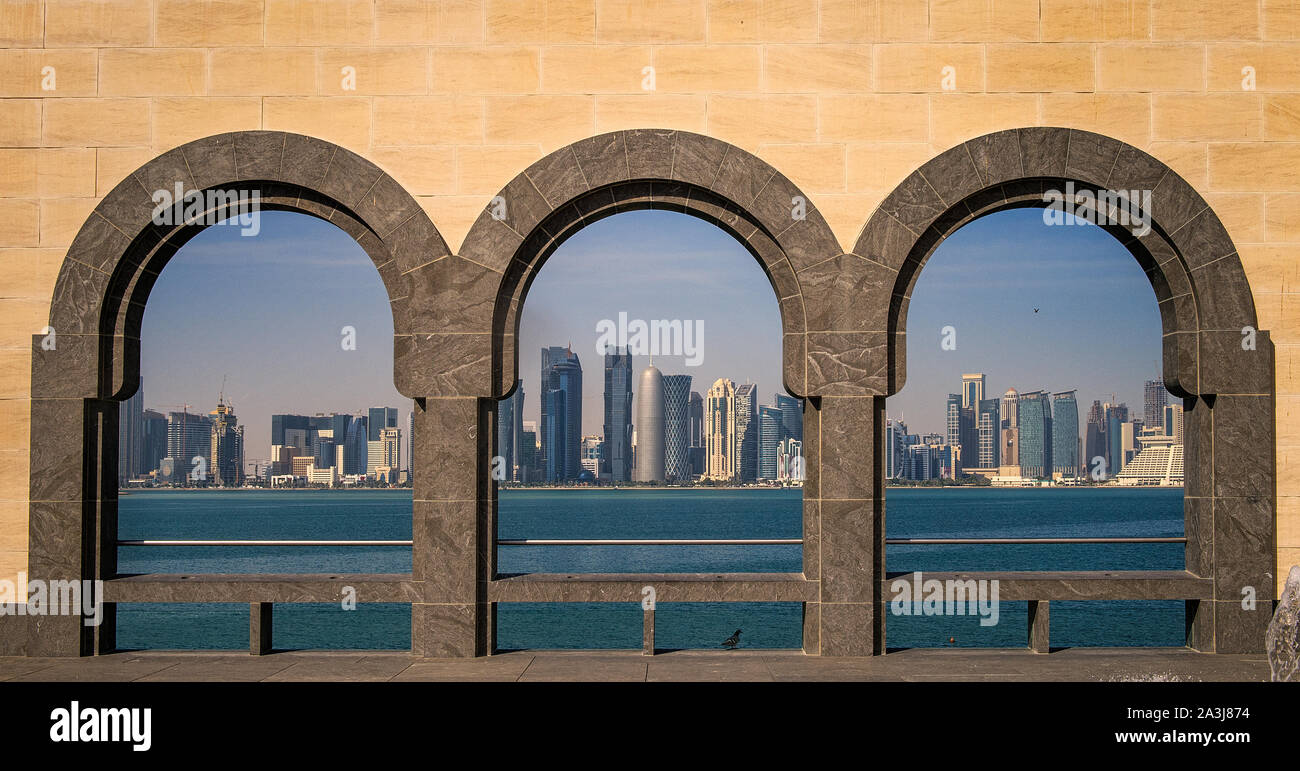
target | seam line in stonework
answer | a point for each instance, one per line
(1211, 262)
(1111, 173)
(726, 153)
(357, 203)
(533, 184)
(1189, 221)
(974, 165)
(921, 173)
(1065, 165)
(586, 183)
(329, 164)
(481, 265)
(426, 264)
(627, 161)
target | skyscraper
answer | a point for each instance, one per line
(952, 418)
(226, 447)
(650, 426)
(130, 438)
(528, 453)
(1009, 452)
(378, 419)
(561, 443)
(616, 462)
(1094, 441)
(770, 432)
(330, 433)
(972, 390)
(593, 447)
(1116, 416)
(720, 431)
(789, 460)
(188, 436)
(697, 419)
(553, 435)
(747, 432)
(1035, 435)
(988, 421)
(1065, 435)
(356, 453)
(895, 448)
(791, 415)
(1173, 422)
(695, 452)
(510, 419)
(1155, 397)
(384, 456)
(677, 405)
(154, 425)
(961, 428)
(282, 423)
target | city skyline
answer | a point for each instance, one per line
(281, 349)
(167, 443)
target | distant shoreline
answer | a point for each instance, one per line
(132, 490)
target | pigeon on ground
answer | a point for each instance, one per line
(732, 641)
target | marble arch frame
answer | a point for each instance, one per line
(827, 351)
(96, 313)
(1205, 306)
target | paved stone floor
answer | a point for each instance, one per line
(1159, 664)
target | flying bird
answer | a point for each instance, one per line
(1035, 310)
(732, 641)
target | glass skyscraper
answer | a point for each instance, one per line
(1065, 434)
(553, 435)
(989, 430)
(1035, 435)
(561, 433)
(510, 422)
(154, 427)
(188, 436)
(616, 461)
(747, 432)
(770, 430)
(130, 436)
(791, 415)
(677, 409)
(378, 419)
(895, 448)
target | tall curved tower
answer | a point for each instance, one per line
(650, 427)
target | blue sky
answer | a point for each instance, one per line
(266, 312)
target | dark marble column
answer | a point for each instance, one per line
(845, 490)
(1244, 533)
(451, 542)
(65, 495)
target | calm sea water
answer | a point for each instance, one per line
(385, 515)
